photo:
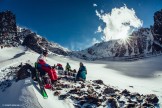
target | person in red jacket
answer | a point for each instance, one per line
(46, 67)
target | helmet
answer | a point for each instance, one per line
(45, 52)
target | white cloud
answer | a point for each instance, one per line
(101, 11)
(99, 29)
(94, 41)
(94, 5)
(120, 22)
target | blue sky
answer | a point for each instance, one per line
(73, 23)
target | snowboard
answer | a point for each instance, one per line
(41, 85)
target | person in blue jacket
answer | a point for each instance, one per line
(81, 75)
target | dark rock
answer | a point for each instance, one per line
(118, 97)
(31, 41)
(89, 106)
(98, 81)
(93, 99)
(82, 102)
(158, 22)
(66, 86)
(131, 86)
(126, 92)
(97, 87)
(74, 91)
(63, 97)
(23, 72)
(121, 103)
(134, 95)
(132, 102)
(76, 98)
(90, 90)
(108, 91)
(157, 31)
(57, 93)
(82, 85)
(113, 103)
(77, 106)
(113, 95)
(99, 104)
(152, 98)
(58, 88)
(104, 98)
(8, 29)
(131, 105)
(139, 99)
(148, 105)
(20, 65)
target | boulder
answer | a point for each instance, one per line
(152, 98)
(98, 82)
(31, 41)
(112, 102)
(108, 91)
(23, 72)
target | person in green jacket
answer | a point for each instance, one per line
(68, 67)
(81, 75)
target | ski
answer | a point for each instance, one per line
(40, 82)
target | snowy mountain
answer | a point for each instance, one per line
(12, 35)
(140, 43)
(143, 42)
(38, 43)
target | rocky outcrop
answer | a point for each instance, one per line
(23, 72)
(157, 31)
(8, 30)
(87, 94)
(97, 94)
(57, 49)
(158, 23)
(31, 41)
(38, 44)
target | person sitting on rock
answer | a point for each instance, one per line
(68, 67)
(46, 67)
(60, 69)
(59, 66)
(81, 75)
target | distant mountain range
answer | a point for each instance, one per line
(145, 41)
(140, 43)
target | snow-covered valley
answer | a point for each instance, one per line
(142, 76)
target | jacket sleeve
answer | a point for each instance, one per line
(43, 63)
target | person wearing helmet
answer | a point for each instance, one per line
(46, 67)
(43, 56)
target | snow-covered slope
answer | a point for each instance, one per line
(139, 44)
(143, 76)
